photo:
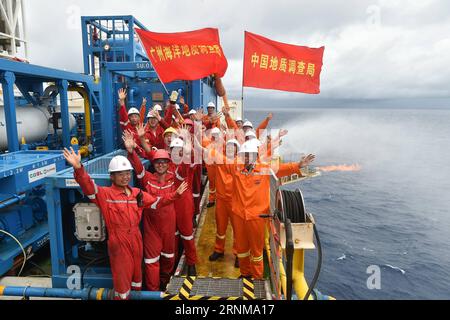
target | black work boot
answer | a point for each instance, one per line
(236, 263)
(215, 255)
(194, 222)
(191, 271)
(211, 204)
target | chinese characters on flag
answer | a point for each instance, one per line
(188, 55)
(270, 64)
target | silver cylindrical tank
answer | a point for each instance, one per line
(32, 123)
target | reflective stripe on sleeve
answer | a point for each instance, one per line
(151, 260)
(141, 175)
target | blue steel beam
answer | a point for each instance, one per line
(107, 110)
(32, 70)
(125, 18)
(25, 93)
(8, 79)
(64, 103)
(55, 229)
(128, 66)
(84, 35)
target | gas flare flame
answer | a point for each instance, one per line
(353, 167)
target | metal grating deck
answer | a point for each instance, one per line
(217, 287)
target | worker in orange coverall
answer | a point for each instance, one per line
(121, 207)
(224, 187)
(250, 200)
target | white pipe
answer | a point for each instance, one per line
(32, 123)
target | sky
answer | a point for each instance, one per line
(377, 53)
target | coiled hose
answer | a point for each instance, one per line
(293, 211)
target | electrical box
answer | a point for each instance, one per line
(89, 223)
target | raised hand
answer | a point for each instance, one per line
(122, 94)
(305, 161)
(140, 128)
(182, 100)
(283, 132)
(128, 140)
(74, 159)
(144, 101)
(199, 115)
(226, 110)
(182, 188)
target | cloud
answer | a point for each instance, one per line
(374, 49)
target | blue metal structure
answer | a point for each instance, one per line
(23, 210)
(83, 294)
(22, 201)
(113, 58)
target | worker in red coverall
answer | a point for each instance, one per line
(154, 130)
(184, 207)
(130, 119)
(168, 135)
(121, 207)
(197, 179)
(159, 224)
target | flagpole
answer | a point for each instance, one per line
(243, 73)
(242, 102)
(154, 69)
(164, 86)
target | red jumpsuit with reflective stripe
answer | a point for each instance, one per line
(184, 208)
(159, 226)
(155, 139)
(197, 188)
(122, 217)
(126, 125)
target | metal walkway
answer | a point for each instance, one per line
(202, 288)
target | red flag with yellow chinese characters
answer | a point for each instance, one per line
(270, 64)
(188, 55)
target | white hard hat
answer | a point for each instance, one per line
(133, 111)
(119, 163)
(192, 112)
(150, 114)
(250, 133)
(235, 142)
(215, 131)
(177, 106)
(177, 143)
(157, 107)
(248, 124)
(211, 105)
(238, 119)
(249, 147)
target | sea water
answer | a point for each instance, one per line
(392, 214)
